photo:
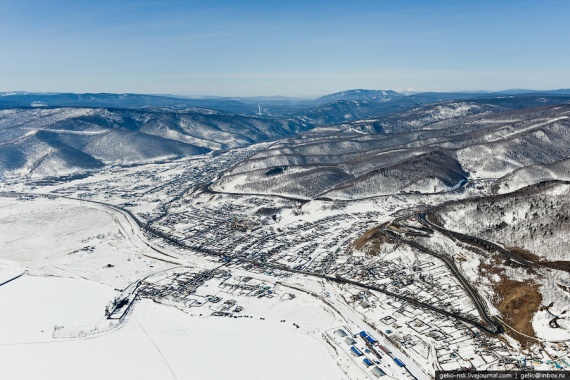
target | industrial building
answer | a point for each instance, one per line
(356, 351)
(341, 333)
(378, 372)
(349, 341)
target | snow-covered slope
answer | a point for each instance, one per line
(55, 141)
(535, 218)
(438, 149)
(534, 174)
(428, 173)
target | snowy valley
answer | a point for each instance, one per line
(207, 244)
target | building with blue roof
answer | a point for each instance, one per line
(399, 362)
(370, 339)
(356, 351)
(367, 337)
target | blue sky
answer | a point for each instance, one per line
(293, 48)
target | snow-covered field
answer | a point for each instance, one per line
(33, 305)
(161, 342)
(67, 288)
(69, 239)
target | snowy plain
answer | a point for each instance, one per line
(67, 286)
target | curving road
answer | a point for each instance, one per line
(490, 246)
(477, 299)
(495, 328)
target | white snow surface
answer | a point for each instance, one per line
(544, 331)
(71, 286)
(161, 342)
(32, 306)
(72, 240)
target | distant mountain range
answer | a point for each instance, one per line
(24, 99)
(52, 141)
(429, 149)
(53, 133)
(248, 105)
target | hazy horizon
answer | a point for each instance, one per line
(309, 97)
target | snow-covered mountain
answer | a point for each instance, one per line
(535, 219)
(430, 149)
(356, 133)
(359, 94)
(52, 141)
